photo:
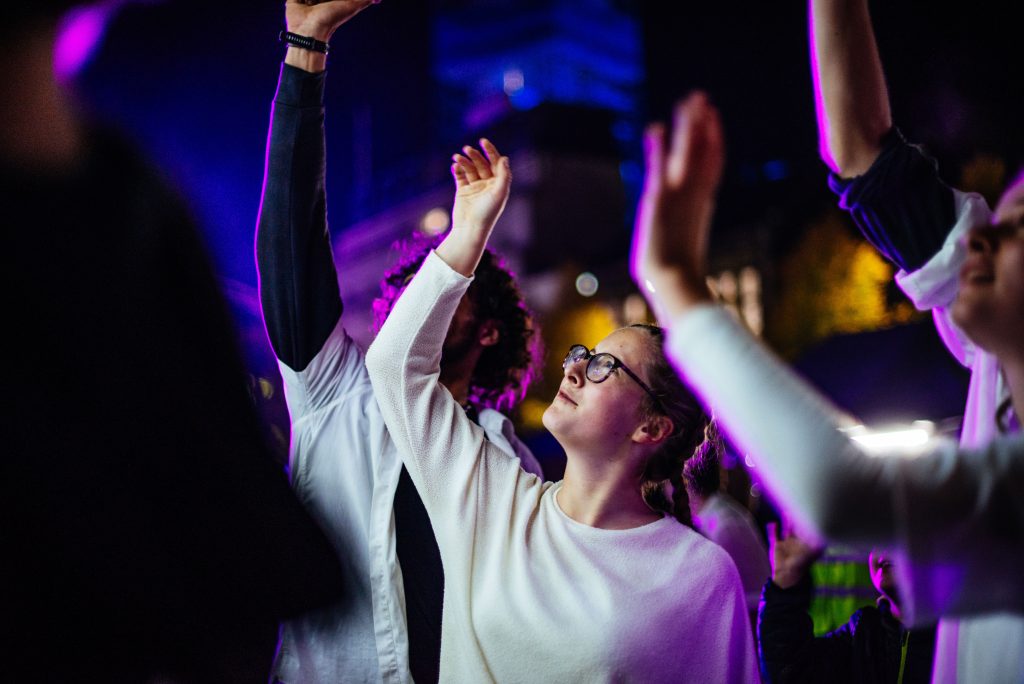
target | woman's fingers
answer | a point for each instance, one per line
(483, 167)
(458, 174)
(493, 156)
(468, 168)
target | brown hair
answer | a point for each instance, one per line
(692, 430)
(505, 370)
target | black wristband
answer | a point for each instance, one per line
(304, 42)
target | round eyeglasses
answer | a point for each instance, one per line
(600, 366)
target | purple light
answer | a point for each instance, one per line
(80, 33)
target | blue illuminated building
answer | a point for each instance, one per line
(496, 57)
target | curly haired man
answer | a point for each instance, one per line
(344, 465)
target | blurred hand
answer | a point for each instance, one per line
(790, 555)
(674, 216)
(321, 19)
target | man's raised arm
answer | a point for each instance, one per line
(851, 99)
(891, 189)
(298, 282)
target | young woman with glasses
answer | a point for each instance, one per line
(588, 579)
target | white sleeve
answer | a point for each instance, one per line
(956, 514)
(455, 469)
(934, 285)
(335, 371)
(964, 546)
(790, 430)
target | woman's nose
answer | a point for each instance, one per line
(574, 372)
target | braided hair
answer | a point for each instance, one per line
(692, 431)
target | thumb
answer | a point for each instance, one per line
(503, 171)
(654, 156)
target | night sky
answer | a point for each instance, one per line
(193, 82)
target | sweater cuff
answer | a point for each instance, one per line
(900, 204)
(799, 593)
(439, 270)
(695, 323)
(299, 88)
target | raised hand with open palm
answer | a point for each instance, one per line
(669, 256)
(319, 20)
(482, 184)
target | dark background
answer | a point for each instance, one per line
(193, 81)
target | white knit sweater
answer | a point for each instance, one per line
(530, 594)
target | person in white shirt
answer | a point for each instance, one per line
(344, 465)
(584, 575)
(723, 520)
(902, 206)
(954, 515)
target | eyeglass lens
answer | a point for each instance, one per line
(599, 366)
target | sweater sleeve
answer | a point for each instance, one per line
(958, 515)
(918, 222)
(817, 472)
(900, 204)
(298, 284)
(451, 462)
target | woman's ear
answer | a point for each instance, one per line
(653, 430)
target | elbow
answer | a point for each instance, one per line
(852, 155)
(848, 159)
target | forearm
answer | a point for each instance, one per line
(851, 98)
(462, 249)
(791, 431)
(784, 628)
(298, 282)
(307, 60)
(438, 442)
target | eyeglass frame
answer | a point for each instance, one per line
(617, 363)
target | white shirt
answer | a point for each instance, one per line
(725, 522)
(345, 469)
(654, 603)
(965, 647)
(957, 516)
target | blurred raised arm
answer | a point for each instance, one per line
(670, 241)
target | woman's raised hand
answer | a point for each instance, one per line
(482, 184)
(670, 239)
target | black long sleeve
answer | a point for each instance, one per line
(900, 204)
(298, 282)
(787, 647)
